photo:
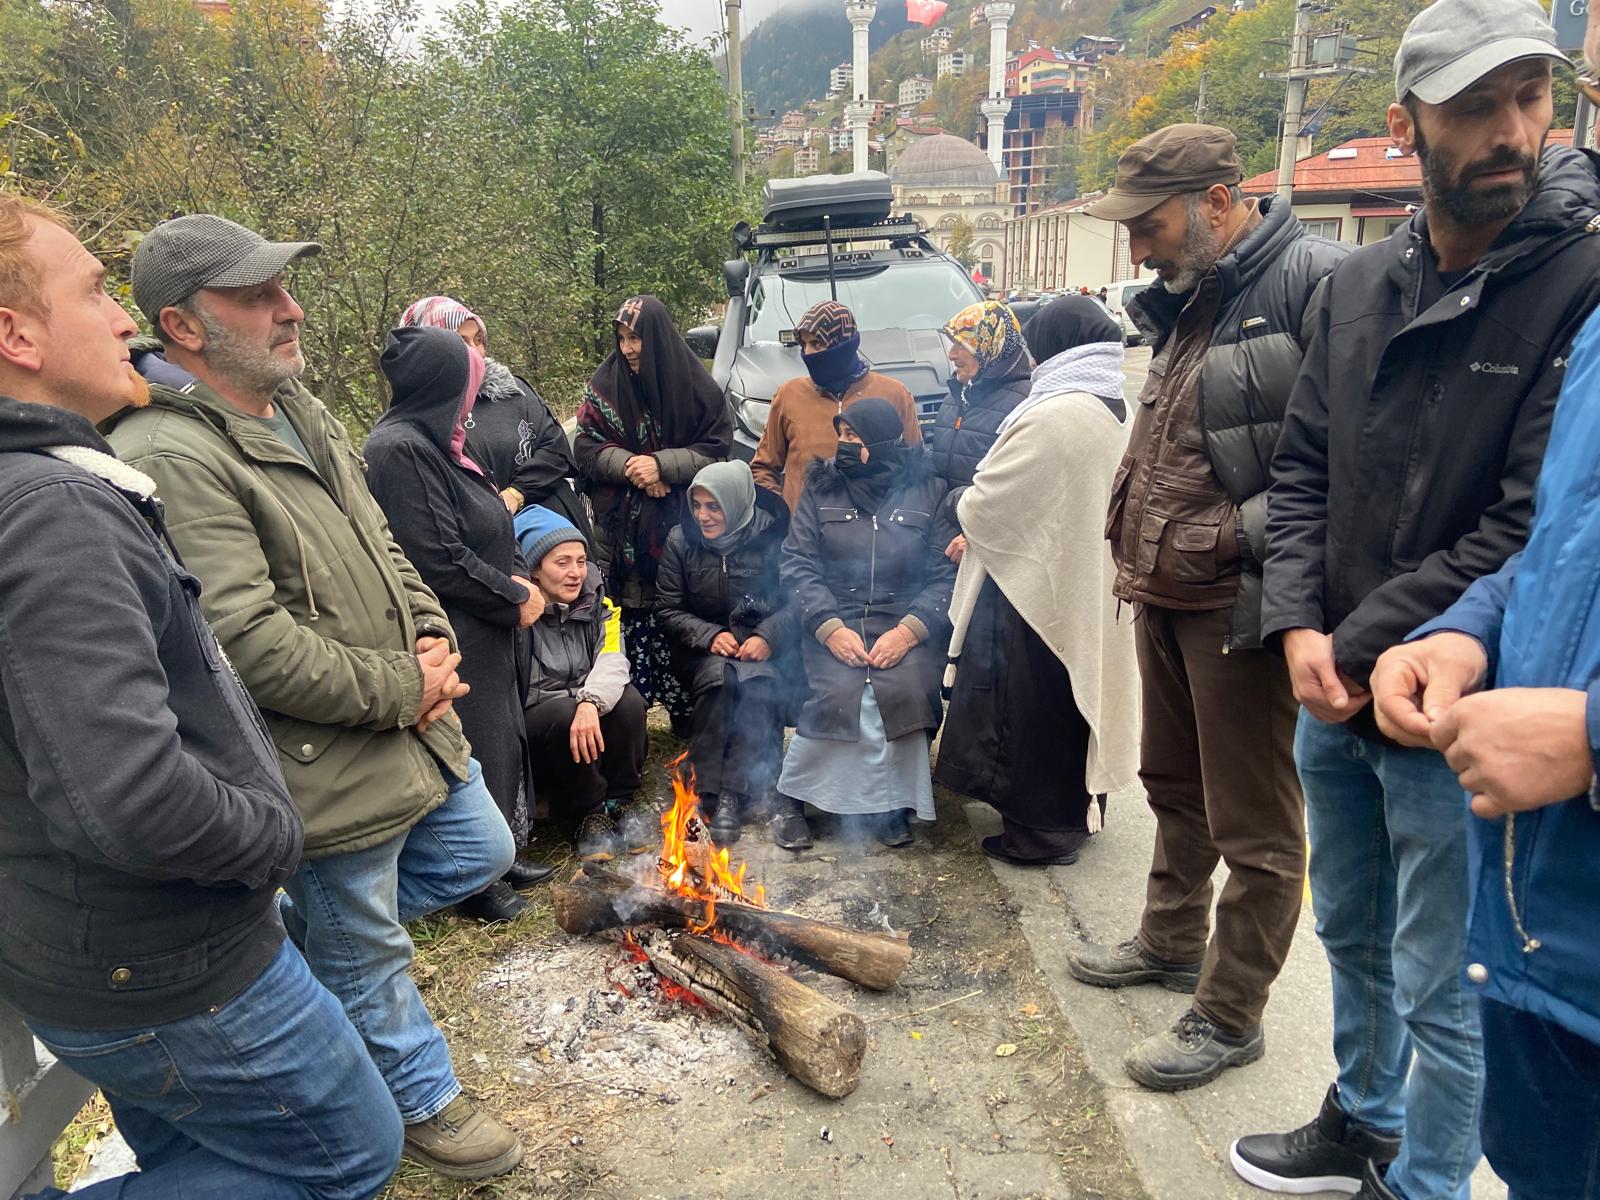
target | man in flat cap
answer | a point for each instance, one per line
(1188, 530)
(342, 646)
(1405, 472)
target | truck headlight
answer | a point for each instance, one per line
(752, 413)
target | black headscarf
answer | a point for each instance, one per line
(1067, 322)
(672, 391)
(880, 429)
(434, 378)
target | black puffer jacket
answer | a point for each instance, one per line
(1257, 341)
(700, 593)
(871, 571)
(969, 422)
(1414, 440)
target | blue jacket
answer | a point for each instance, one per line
(1539, 619)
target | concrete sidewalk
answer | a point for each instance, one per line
(1178, 1143)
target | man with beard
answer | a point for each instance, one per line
(346, 651)
(1405, 472)
(1188, 531)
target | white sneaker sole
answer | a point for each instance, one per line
(1269, 1182)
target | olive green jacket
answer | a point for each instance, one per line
(312, 600)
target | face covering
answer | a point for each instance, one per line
(848, 457)
(833, 370)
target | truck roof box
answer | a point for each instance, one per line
(860, 198)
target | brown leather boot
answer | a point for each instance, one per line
(463, 1143)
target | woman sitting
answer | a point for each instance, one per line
(1044, 715)
(865, 561)
(585, 721)
(724, 613)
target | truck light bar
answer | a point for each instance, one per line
(884, 230)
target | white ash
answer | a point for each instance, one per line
(582, 1007)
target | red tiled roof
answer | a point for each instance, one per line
(1369, 171)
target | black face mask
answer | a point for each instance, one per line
(848, 457)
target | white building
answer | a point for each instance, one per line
(952, 63)
(914, 91)
(938, 41)
(839, 79)
(806, 161)
(943, 180)
(840, 140)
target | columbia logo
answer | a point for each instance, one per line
(1496, 368)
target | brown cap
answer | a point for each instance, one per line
(1167, 163)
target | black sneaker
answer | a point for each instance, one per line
(1193, 1052)
(1330, 1154)
(893, 828)
(1129, 963)
(1373, 1186)
(495, 905)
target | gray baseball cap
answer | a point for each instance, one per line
(1452, 44)
(179, 257)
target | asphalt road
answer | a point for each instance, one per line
(1179, 1143)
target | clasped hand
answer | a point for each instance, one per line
(644, 472)
(441, 684)
(893, 645)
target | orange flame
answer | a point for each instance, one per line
(692, 863)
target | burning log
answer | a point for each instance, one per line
(598, 898)
(818, 1042)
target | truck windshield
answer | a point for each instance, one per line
(900, 295)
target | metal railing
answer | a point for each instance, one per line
(38, 1098)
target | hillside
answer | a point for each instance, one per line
(788, 56)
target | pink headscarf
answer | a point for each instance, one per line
(458, 434)
(442, 312)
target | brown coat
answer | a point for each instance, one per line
(800, 429)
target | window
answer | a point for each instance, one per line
(1326, 227)
(911, 295)
(951, 200)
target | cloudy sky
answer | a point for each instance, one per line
(703, 18)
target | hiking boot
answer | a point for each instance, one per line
(1330, 1154)
(639, 825)
(1193, 1052)
(1128, 963)
(495, 905)
(463, 1143)
(789, 828)
(724, 818)
(893, 828)
(597, 838)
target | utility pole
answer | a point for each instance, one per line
(736, 91)
(1200, 104)
(1322, 54)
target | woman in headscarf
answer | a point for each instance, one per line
(444, 513)
(988, 378)
(732, 630)
(511, 432)
(651, 418)
(864, 560)
(800, 421)
(1044, 707)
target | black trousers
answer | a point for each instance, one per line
(736, 739)
(569, 790)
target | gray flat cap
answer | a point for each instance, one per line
(1452, 44)
(179, 257)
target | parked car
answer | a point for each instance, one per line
(832, 236)
(1117, 297)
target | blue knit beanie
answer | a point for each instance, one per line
(540, 531)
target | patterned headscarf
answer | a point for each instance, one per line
(990, 330)
(829, 322)
(441, 312)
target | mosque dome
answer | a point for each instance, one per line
(943, 160)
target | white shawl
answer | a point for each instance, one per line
(1034, 520)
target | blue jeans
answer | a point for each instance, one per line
(1541, 1106)
(270, 1097)
(1388, 831)
(347, 912)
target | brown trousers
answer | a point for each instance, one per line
(1217, 759)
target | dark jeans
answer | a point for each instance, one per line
(736, 739)
(270, 1097)
(1541, 1110)
(574, 789)
(1216, 756)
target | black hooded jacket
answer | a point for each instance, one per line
(456, 531)
(1414, 439)
(144, 822)
(969, 421)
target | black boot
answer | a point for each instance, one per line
(789, 828)
(725, 819)
(893, 828)
(522, 874)
(496, 903)
(1329, 1154)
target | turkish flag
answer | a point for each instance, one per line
(925, 12)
